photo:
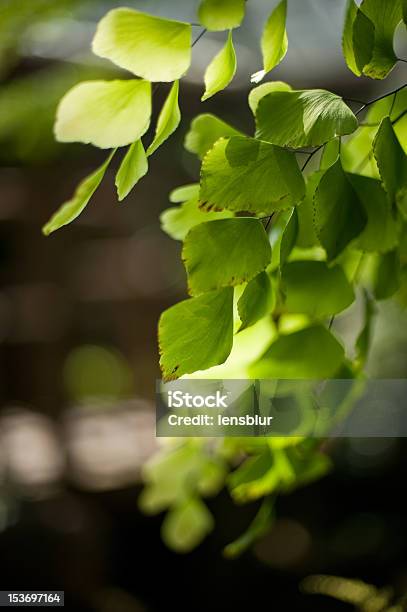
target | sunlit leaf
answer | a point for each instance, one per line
(274, 42)
(358, 38)
(244, 174)
(221, 70)
(256, 301)
(196, 334)
(339, 214)
(107, 114)
(205, 130)
(73, 208)
(225, 252)
(303, 118)
(312, 352)
(330, 153)
(314, 288)
(257, 93)
(216, 15)
(168, 120)
(151, 47)
(133, 167)
(178, 220)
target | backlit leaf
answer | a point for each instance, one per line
(205, 130)
(313, 288)
(221, 70)
(196, 334)
(225, 252)
(186, 525)
(312, 352)
(340, 216)
(216, 15)
(133, 167)
(73, 208)
(107, 114)
(257, 93)
(274, 42)
(168, 120)
(244, 174)
(289, 237)
(153, 48)
(358, 38)
(256, 301)
(303, 118)
(387, 276)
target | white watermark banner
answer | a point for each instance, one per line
(312, 408)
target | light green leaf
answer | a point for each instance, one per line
(387, 276)
(382, 231)
(315, 289)
(168, 120)
(303, 118)
(216, 15)
(244, 174)
(225, 252)
(385, 16)
(307, 237)
(133, 167)
(73, 208)
(205, 130)
(392, 163)
(358, 38)
(178, 220)
(221, 70)
(257, 93)
(153, 48)
(274, 42)
(107, 114)
(289, 237)
(330, 153)
(256, 301)
(260, 525)
(196, 334)
(393, 106)
(186, 525)
(312, 353)
(339, 214)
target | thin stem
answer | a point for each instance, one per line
(269, 220)
(311, 155)
(400, 116)
(400, 59)
(386, 95)
(198, 38)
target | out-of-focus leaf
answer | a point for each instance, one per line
(205, 130)
(392, 163)
(186, 525)
(260, 525)
(364, 338)
(388, 275)
(289, 237)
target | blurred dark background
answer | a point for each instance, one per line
(78, 351)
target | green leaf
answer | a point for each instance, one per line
(205, 130)
(392, 163)
(274, 42)
(257, 93)
(177, 221)
(387, 277)
(289, 237)
(363, 341)
(339, 214)
(221, 70)
(73, 208)
(153, 48)
(168, 120)
(225, 252)
(315, 289)
(312, 352)
(330, 154)
(216, 15)
(133, 167)
(358, 38)
(256, 301)
(385, 16)
(382, 231)
(196, 334)
(303, 118)
(244, 174)
(107, 114)
(307, 237)
(186, 525)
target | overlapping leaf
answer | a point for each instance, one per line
(256, 301)
(168, 119)
(133, 167)
(216, 15)
(392, 162)
(303, 118)
(205, 130)
(244, 174)
(225, 252)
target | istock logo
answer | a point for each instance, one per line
(179, 399)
